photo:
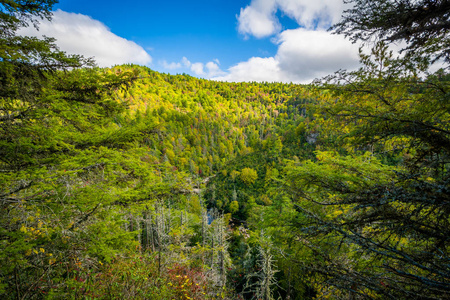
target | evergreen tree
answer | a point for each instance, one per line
(424, 25)
(58, 158)
(384, 199)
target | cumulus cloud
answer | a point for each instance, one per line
(259, 18)
(213, 68)
(80, 34)
(171, 66)
(313, 14)
(255, 69)
(197, 68)
(305, 54)
(257, 22)
(302, 56)
(186, 62)
(206, 70)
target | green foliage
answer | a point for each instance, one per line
(112, 180)
(100, 164)
(234, 206)
(377, 202)
(248, 176)
(423, 24)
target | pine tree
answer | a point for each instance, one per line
(424, 25)
(384, 198)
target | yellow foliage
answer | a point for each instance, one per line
(248, 176)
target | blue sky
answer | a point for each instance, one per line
(233, 40)
(203, 29)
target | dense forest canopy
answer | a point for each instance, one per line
(125, 183)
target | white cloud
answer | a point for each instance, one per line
(186, 62)
(208, 70)
(214, 69)
(80, 34)
(302, 56)
(256, 22)
(197, 68)
(306, 54)
(171, 66)
(255, 69)
(259, 18)
(312, 14)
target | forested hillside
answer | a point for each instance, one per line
(125, 183)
